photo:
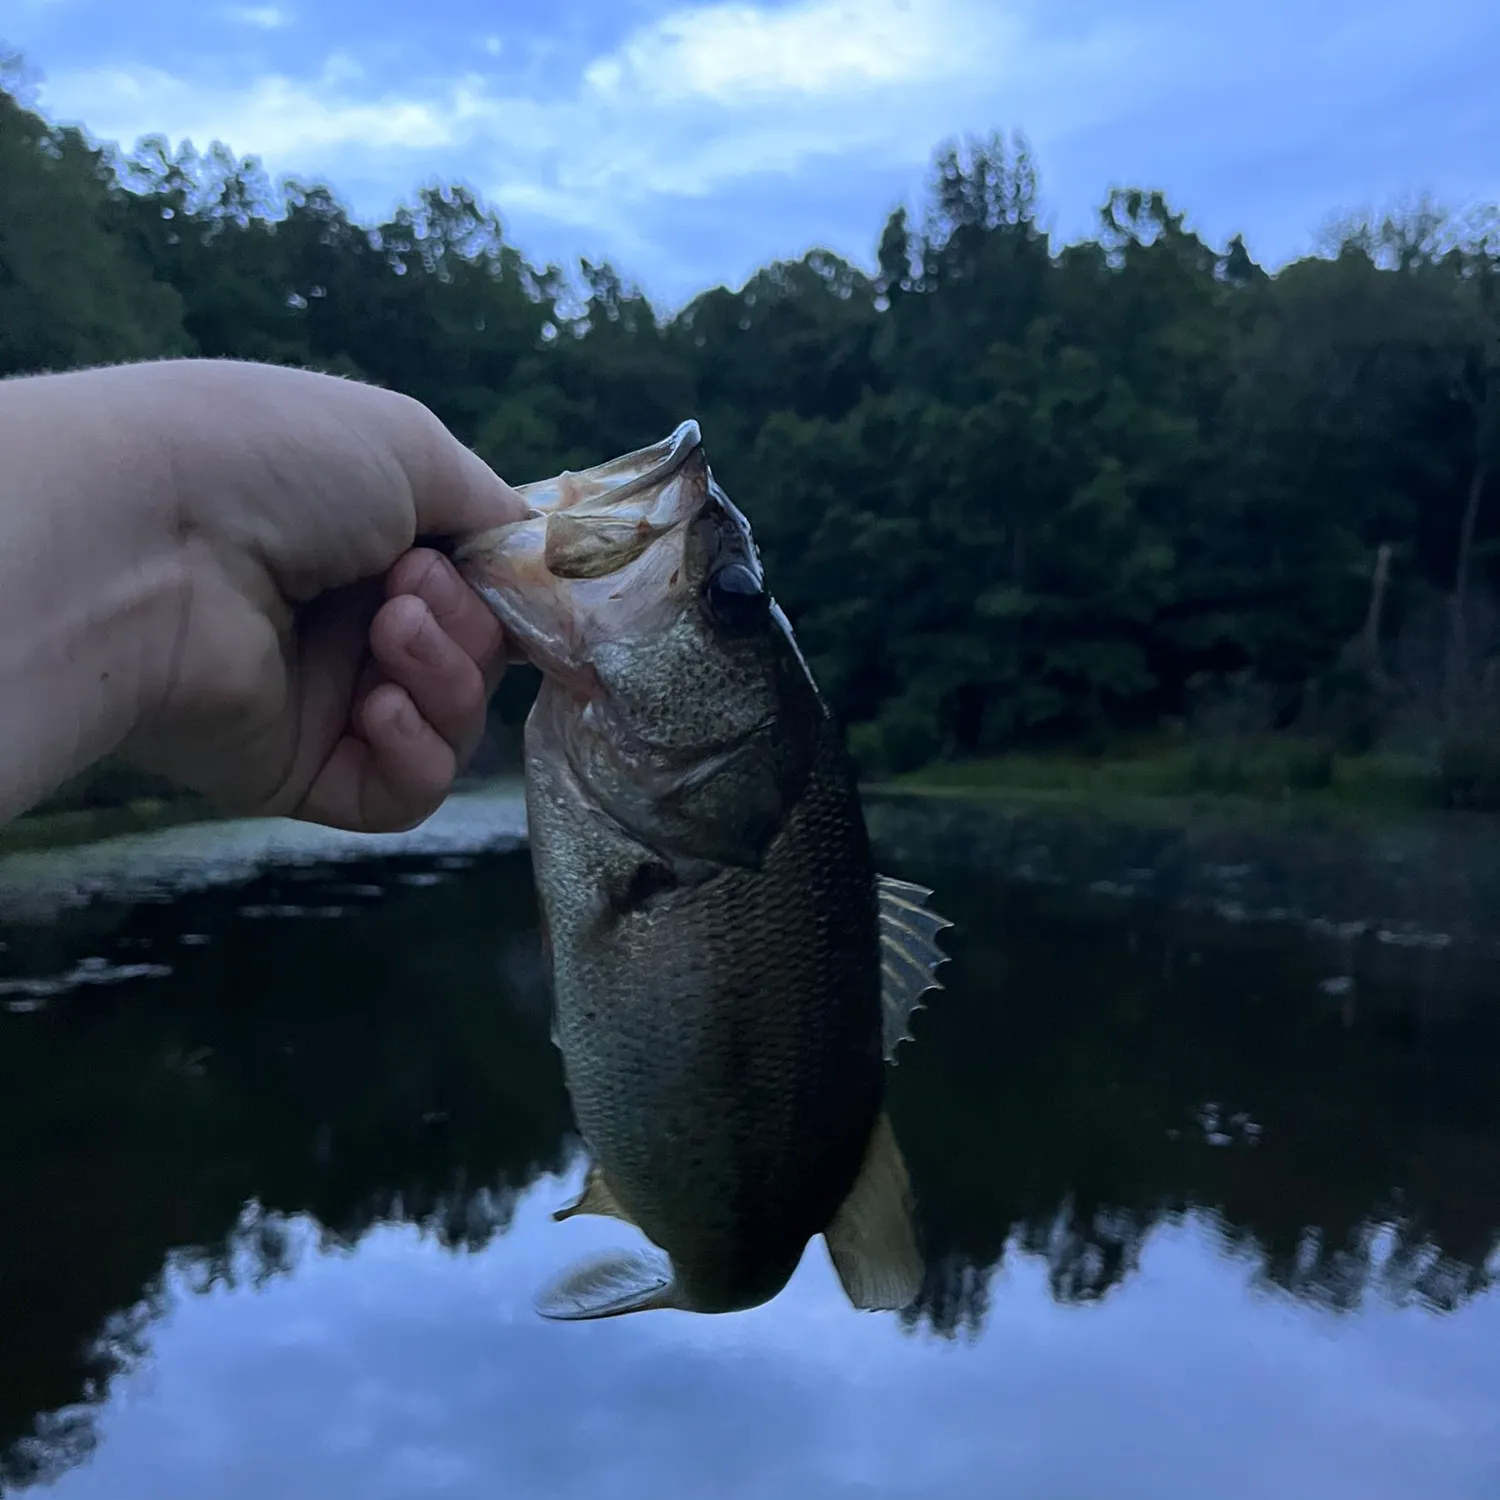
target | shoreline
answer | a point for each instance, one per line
(42, 884)
(1077, 789)
(1414, 890)
(33, 833)
(1185, 809)
(1414, 901)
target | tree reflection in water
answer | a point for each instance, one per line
(341, 1048)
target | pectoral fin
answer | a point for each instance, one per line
(909, 955)
(596, 1198)
(616, 1282)
(873, 1237)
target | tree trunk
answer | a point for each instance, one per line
(1370, 635)
(1458, 634)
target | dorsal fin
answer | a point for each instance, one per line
(596, 1198)
(909, 955)
(615, 1282)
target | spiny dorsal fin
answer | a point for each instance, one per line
(596, 1198)
(909, 955)
(616, 1282)
(873, 1237)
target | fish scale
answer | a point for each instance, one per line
(700, 1044)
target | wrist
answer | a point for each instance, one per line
(93, 582)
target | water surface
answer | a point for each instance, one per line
(1210, 1213)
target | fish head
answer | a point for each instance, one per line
(672, 682)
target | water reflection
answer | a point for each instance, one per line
(357, 1054)
(391, 1064)
(1104, 1076)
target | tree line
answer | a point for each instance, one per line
(1011, 494)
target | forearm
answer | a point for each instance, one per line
(92, 583)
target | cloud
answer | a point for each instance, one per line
(688, 104)
(728, 124)
(737, 55)
(262, 17)
(290, 123)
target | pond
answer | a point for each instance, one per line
(1208, 1214)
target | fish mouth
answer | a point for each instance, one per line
(618, 479)
(581, 566)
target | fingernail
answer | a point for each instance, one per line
(441, 584)
(423, 641)
(408, 720)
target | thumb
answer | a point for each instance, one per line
(454, 491)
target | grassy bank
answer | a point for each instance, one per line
(62, 828)
(1256, 779)
(1152, 781)
(87, 825)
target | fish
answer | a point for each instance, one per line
(731, 974)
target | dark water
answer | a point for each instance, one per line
(1206, 1219)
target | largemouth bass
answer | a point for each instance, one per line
(731, 974)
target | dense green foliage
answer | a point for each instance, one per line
(1010, 494)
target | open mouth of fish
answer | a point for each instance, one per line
(592, 562)
(578, 548)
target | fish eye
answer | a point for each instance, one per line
(736, 600)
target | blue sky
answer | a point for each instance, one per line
(692, 142)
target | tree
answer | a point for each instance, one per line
(1010, 493)
(72, 291)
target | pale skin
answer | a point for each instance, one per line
(215, 570)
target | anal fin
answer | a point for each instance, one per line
(909, 955)
(609, 1285)
(873, 1236)
(596, 1198)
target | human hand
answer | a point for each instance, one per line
(326, 666)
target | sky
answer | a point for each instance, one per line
(691, 143)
